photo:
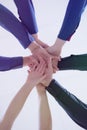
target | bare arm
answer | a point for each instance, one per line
(35, 76)
(15, 107)
(44, 110)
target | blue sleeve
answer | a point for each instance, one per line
(9, 22)
(72, 18)
(9, 63)
(26, 13)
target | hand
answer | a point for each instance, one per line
(36, 73)
(56, 48)
(41, 52)
(42, 44)
(48, 72)
(37, 48)
(30, 61)
(37, 39)
(46, 56)
(54, 51)
(45, 46)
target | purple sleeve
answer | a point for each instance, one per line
(27, 16)
(9, 63)
(9, 22)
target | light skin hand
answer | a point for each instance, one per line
(46, 56)
(56, 50)
(48, 72)
(29, 61)
(38, 51)
(37, 73)
(37, 39)
(45, 46)
(57, 47)
(41, 52)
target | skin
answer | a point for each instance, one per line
(35, 76)
(39, 48)
(45, 120)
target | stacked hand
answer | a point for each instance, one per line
(40, 51)
(49, 56)
(41, 73)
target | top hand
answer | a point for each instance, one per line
(36, 74)
(48, 72)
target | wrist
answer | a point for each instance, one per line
(35, 36)
(33, 46)
(25, 60)
(59, 43)
(28, 85)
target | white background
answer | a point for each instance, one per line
(49, 15)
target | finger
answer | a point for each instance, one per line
(59, 58)
(55, 63)
(35, 59)
(40, 58)
(41, 67)
(33, 68)
(49, 63)
(28, 71)
(43, 77)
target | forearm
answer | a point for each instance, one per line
(9, 63)
(44, 111)
(72, 18)
(33, 46)
(26, 13)
(15, 27)
(73, 62)
(76, 109)
(15, 107)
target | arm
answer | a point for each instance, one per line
(9, 63)
(19, 30)
(76, 109)
(14, 26)
(15, 107)
(27, 15)
(36, 75)
(73, 62)
(44, 110)
(72, 18)
(70, 23)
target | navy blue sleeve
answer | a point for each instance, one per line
(72, 18)
(9, 63)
